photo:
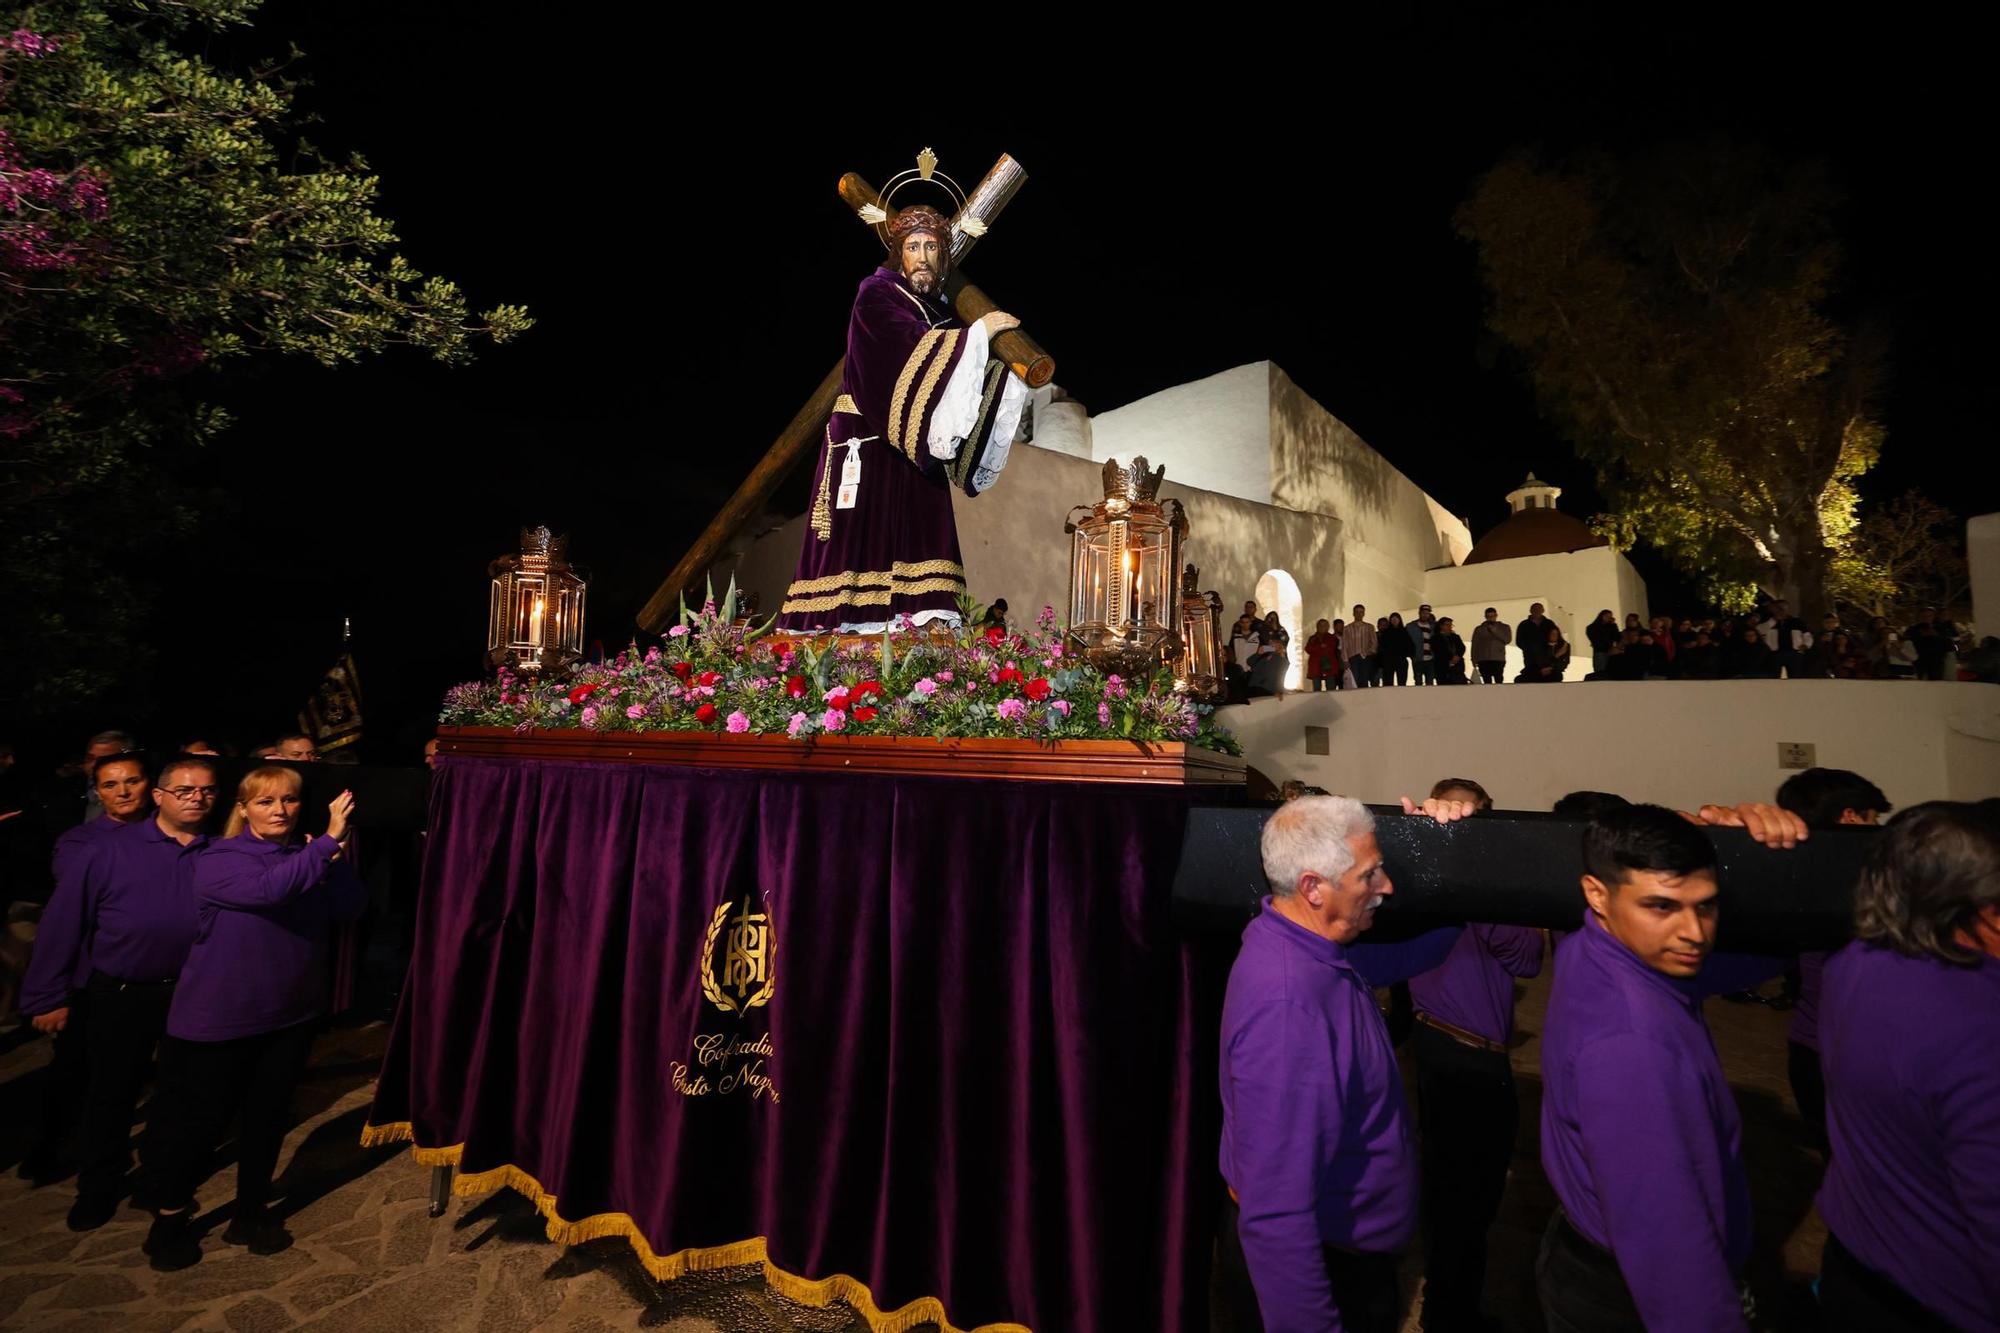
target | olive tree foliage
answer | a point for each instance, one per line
(161, 221)
(1672, 311)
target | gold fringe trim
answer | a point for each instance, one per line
(903, 382)
(901, 572)
(871, 596)
(816, 1292)
(912, 439)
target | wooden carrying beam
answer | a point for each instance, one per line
(1522, 869)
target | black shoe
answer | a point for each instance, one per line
(91, 1211)
(171, 1245)
(259, 1235)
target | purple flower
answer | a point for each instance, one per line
(833, 719)
(1059, 706)
(799, 723)
(635, 711)
(739, 722)
(1012, 710)
(1103, 714)
(926, 687)
(1114, 687)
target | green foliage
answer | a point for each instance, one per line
(1905, 554)
(160, 222)
(1670, 311)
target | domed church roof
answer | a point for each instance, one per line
(1536, 527)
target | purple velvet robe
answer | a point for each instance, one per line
(896, 551)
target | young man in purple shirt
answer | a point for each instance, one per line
(1823, 798)
(1467, 1110)
(1641, 1139)
(118, 929)
(1909, 1033)
(1316, 1145)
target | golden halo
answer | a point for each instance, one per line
(925, 173)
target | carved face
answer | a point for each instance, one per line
(923, 260)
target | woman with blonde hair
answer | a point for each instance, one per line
(241, 1026)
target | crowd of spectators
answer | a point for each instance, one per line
(1769, 643)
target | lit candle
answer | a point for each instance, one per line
(535, 624)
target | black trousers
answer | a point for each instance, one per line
(1468, 1116)
(1854, 1298)
(65, 1082)
(202, 1084)
(1808, 1090)
(1492, 672)
(127, 1020)
(1365, 1290)
(1580, 1286)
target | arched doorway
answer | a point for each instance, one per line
(1279, 591)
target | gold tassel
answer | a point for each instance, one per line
(822, 510)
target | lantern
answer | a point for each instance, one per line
(534, 618)
(1124, 598)
(1199, 668)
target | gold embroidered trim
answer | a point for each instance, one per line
(982, 424)
(913, 438)
(816, 1292)
(900, 571)
(845, 403)
(910, 368)
(822, 511)
(871, 596)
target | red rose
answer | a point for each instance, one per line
(708, 678)
(582, 692)
(795, 686)
(1009, 674)
(683, 670)
(705, 713)
(864, 713)
(867, 689)
(1037, 688)
(994, 634)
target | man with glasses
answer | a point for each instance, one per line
(117, 929)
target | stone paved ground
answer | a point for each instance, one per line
(369, 1256)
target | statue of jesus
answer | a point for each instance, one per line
(922, 409)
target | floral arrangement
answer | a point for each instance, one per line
(712, 673)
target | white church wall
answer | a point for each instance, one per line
(1214, 434)
(1679, 743)
(1572, 589)
(1982, 553)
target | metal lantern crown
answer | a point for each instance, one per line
(534, 618)
(1198, 671)
(1125, 556)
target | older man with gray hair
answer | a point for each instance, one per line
(1316, 1142)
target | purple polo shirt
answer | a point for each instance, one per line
(1911, 1050)
(1315, 1135)
(1641, 1138)
(76, 841)
(263, 911)
(1474, 987)
(124, 906)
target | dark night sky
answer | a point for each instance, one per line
(665, 207)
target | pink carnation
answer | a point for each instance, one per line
(739, 722)
(1059, 706)
(926, 687)
(833, 719)
(944, 677)
(1012, 710)
(1103, 714)
(799, 723)
(677, 631)
(589, 718)
(635, 711)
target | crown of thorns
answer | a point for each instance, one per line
(917, 218)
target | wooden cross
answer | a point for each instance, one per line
(1023, 355)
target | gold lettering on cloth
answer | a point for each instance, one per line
(903, 382)
(913, 432)
(746, 959)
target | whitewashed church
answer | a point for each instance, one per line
(1285, 505)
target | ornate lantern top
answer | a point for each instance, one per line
(1131, 482)
(539, 541)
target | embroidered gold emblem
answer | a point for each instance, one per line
(748, 952)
